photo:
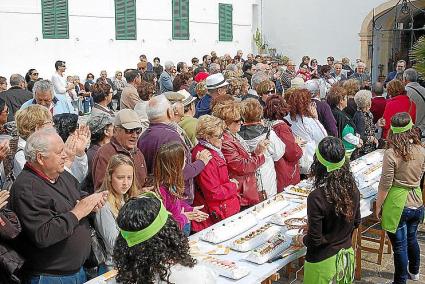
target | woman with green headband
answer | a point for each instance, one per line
(333, 212)
(399, 203)
(152, 249)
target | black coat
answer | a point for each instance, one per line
(15, 97)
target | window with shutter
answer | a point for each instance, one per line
(55, 21)
(180, 19)
(225, 22)
(125, 20)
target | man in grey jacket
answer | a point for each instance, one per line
(416, 93)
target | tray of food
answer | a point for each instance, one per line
(229, 229)
(372, 172)
(270, 206)
(370, 190)
(225, 268)
(358, 166)
(298, 190)
(255, 238)
(269, 250)
(293, 212)
(295, 223)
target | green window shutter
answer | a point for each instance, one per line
(55, 20)
(180, 19)
(225, 22)
(125, 20)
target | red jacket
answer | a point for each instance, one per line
(378, 107)
(242, 167)
(215, 191)
(400, 103)
(287, 168)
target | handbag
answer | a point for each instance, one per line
(98, 250)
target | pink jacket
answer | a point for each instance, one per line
(174, 206)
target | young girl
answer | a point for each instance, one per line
(120, 185)
(169, 183)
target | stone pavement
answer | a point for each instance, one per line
(373, 273)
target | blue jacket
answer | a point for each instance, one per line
(165, 82)
(59, 106)
(203, 106)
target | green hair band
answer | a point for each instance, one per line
(397, 130)
(330, 167)
(137, 237)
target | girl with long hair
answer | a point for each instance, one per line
(151, 249)
(120, 184)
(400, 201)
(169, 184)
(333, 212)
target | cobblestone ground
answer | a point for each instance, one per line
(373, 273)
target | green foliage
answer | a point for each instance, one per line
(417, 53)
(259, 41)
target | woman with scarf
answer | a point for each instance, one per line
(400, 202)
(242, 163)
(333, 212)
(337, 100)
(217, 192)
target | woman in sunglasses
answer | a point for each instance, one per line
(31, 77)
(265, 89)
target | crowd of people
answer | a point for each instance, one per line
(169, 150)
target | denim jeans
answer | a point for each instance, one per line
(186, 229)
(405, 244)
(77, 278)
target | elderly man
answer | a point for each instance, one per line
(240, 54)
(256, 79)
(417, 93)
(216, 85)
(288, 75)
(161, 131)
(44, 95)
(104, 79)
(130, 96)
(16, 96)
(361, 76)
(55, 238)
(338, 73)
(397, 73)
(214, 68)
(127, 128)
(166, 78)
(378, 101)
(182, 67)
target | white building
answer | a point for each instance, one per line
(89, 41)
(92, 35)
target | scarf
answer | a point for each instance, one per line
(208, 145)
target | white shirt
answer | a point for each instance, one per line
(59, 85)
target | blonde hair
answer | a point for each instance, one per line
(352, 86)
(113, 197)
(209, 126)
(252, 111)
(229, 111)
(30, 119)
(201, 89)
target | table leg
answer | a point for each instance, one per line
(358, 254)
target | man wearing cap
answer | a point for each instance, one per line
(216, 85)
(101, 129)
(188, 122)
(127, 128)
(162, 130)
(324, 111)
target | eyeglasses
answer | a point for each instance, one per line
(34, 74)
(238, 120)
(131, 131)
(219, 136)
(271, 91)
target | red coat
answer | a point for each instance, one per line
(287, 168)
(215, 191)
(400, 103)
(378, 107)
(242, 166)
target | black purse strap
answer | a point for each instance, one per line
(423, 98)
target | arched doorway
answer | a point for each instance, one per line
(388, 32)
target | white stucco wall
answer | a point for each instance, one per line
(318, 28)
(92, 47)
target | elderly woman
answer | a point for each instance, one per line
(399, 202)
(217, 192)
(398, 102)
(363, 119)
(337, 100)
(119, 84)
(305, 125)
(102, 97)
(265, 89)
(351, 86)
(287, 167)
(35, 117)
(253, 131)
(242, 163)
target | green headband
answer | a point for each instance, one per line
(397, 130)
(137, 237)
(330, 167)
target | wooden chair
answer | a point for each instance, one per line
(293, 268)
(271, 278)
(369, 227)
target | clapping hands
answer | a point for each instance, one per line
(196, 215)
(76, 143)
(4, 196)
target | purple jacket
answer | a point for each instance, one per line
(174, 206)
(326, 117)
(158, 134)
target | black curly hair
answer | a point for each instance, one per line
(145, 262)
(338, 186)
(65, 124)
